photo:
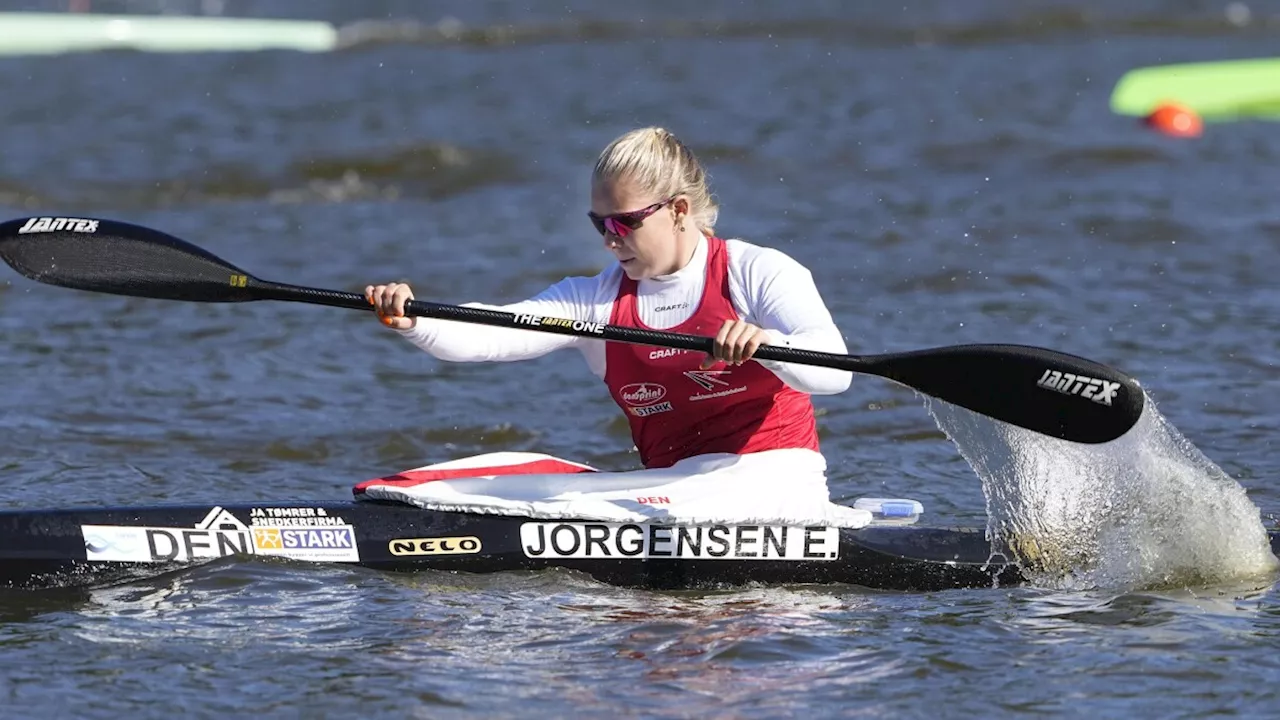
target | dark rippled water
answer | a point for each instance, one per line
(950, 173)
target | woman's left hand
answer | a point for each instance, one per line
(736, 342)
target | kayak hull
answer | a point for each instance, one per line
(83, 547)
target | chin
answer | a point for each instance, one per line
(635, 272)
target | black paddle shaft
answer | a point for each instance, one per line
(1052, 393)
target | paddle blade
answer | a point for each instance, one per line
(119, 258)
(1052, 393)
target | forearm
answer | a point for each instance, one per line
(779, 296)
(466, 342)
(807, 378)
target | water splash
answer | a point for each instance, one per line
(1144, 511)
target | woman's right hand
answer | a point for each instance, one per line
(388, 301)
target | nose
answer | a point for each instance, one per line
(612, 241)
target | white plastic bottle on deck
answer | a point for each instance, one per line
(896, 511)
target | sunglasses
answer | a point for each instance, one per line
(621, 224)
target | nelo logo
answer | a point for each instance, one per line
(643, 393)
(435, 546)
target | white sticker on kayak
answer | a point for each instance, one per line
(222, 534)
(646, 541)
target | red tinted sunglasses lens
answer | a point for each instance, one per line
(610, 224)
(623, 223)
(617, 227)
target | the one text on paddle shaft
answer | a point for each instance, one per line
(54, 224)
(1099, 391)
(682, 542)
(554, 322)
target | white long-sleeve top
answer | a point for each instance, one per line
(766, 287)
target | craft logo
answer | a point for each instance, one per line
(56, 224)
(469, 545)
(666, 353)
(1099, 391)
(554, 322)
(308, 534)
(642, 393)
(637, 541)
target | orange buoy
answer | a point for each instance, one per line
(1175, 120)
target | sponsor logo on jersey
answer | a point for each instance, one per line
(674, 306)
(713, 381)
(648, 410)
(642, 393)
(708, 379)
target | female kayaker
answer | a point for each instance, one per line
(653, 208)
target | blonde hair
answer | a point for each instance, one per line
(658, 163)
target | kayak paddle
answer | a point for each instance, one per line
(1052, 393)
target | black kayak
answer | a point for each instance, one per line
(82, 547)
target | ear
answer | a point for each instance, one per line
(680, 206)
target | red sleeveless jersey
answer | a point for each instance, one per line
(677, 410)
